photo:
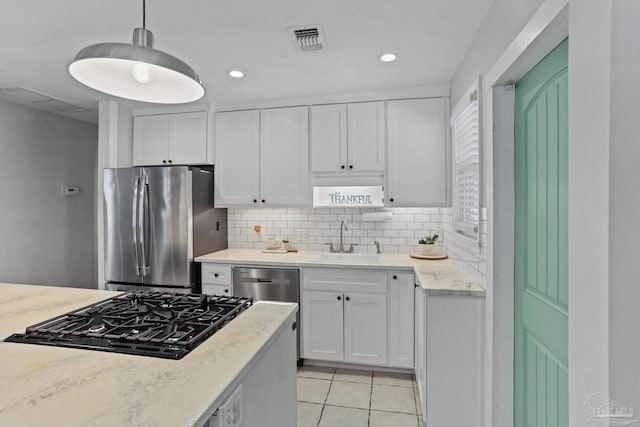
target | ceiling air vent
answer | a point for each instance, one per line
(308, 39)
(30, 97)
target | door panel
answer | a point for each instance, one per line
(237, 158)
(284, 156)
(366, 150)
(365, 328)
(329, 138)
(150, 140)
(168, 245)
(322, 324)
(541, 244)
(188, 138)
(119, 197)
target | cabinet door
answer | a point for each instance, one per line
(188, 138)
(329, 138)
(366, 150)
(322, 326)
(237, 158)
(365, 328)
(284, 157)
(416, 153)
(401, 320)
(150, 140)
(421, 349)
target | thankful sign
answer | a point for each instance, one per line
(348, 196)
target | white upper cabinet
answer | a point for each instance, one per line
(348, 138)
(237, 158)
(262, 158)
(284, 157)
(416, 153)
(366, 137)
(163, 139)
(329, 138)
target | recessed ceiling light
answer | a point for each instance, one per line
(388, 57)
(236, 74)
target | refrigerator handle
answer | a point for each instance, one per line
(134, 222)
(142, 223)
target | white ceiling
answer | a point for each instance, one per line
(430, 37)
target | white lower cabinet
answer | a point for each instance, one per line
(401, 320)
(365, 328)
(323, 336)
(345, 317)
(345, 327)
(449, 359)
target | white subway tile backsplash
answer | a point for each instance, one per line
(399, 235)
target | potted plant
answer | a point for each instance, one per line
(427, 244)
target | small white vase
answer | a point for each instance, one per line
(426, 248)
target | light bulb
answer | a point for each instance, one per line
(142, 73)
(387, 57)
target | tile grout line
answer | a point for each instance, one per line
(370, 401)
(326, 397)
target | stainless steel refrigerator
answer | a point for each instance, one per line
(156, 220)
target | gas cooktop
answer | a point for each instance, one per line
(158, 324)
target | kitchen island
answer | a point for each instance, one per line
(54, 386)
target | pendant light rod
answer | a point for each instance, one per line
(144, 13)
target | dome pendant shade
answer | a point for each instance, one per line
(137, 71)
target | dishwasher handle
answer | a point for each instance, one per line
(264, 280)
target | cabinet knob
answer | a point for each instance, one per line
(339, 298)
(264, 201)
(347, 298)
(170, 161)
(226, 291)
(395, 277)
(342, 166)
(255, 200)
(164, 161)
(216, 275)
(391, 200)
(350, 166)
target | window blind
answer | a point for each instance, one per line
(466, 138)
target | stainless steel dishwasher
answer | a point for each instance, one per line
(269, 284)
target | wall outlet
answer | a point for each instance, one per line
(302, 235)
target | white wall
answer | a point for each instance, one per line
(503, 22)
(624, 206)
(46, 239)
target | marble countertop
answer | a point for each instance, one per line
(436, 277)
(54, 386)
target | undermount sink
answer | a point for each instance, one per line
(356, 258)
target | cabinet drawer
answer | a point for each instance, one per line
(216, 274)
(210, 289)
(345, 280)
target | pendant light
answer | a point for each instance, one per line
(137, 71)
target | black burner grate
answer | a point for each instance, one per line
(158, 324)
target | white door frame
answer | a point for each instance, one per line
(544, 31)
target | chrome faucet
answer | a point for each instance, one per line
(378, 250)
(341, 249)
(343, 225)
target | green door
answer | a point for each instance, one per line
(541, 233)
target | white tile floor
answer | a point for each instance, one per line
(329, 397)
